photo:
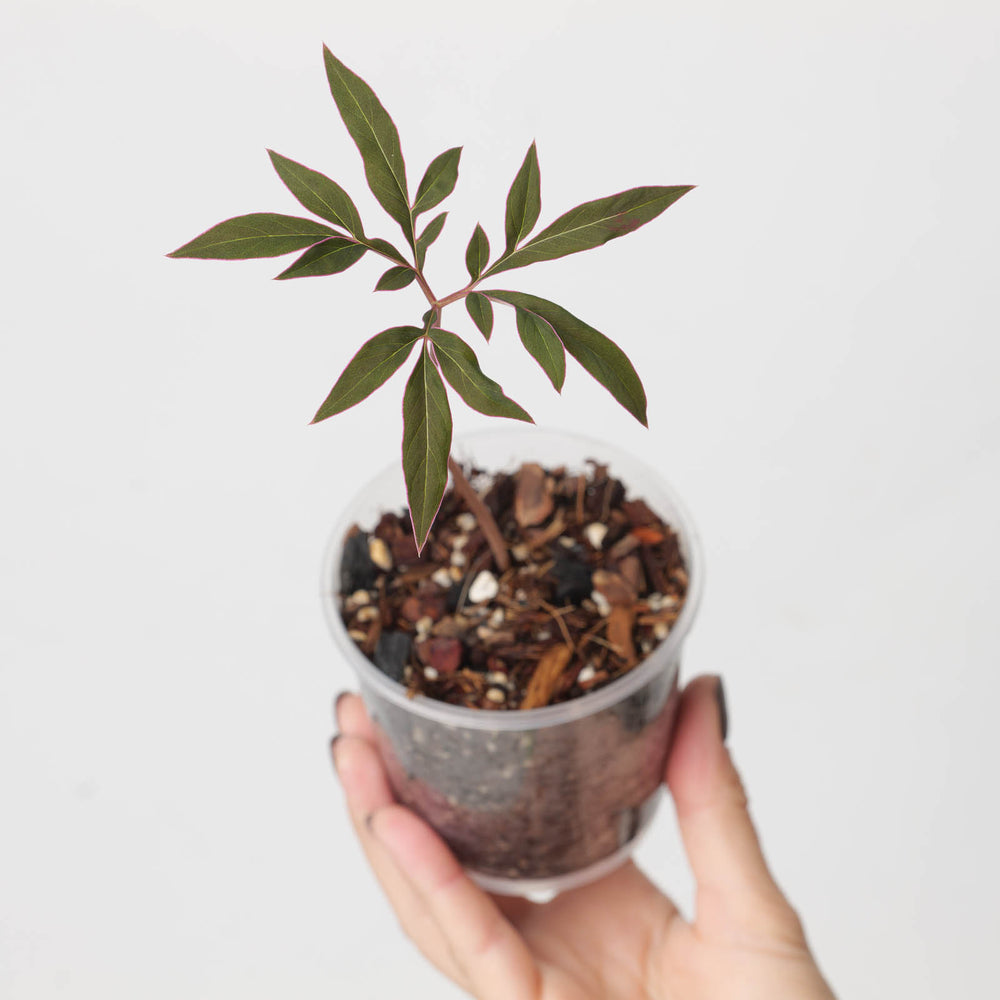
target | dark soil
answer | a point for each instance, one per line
(595, 582)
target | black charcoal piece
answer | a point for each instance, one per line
(391, 653)
(454, 593)
(573, 581)
(357, 571)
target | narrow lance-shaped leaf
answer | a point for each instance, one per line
(593, 224)
(426, 444)
(477, 253)
(379, 358)
(329, 257)
(524, 201)
(375, 135)
(317, 193)
(460, 367)
(602, 357)
(385, 248)
(395, 278)
(438, 181)
(543, 345)
(481, 310)
(260, 234)
(429, 235)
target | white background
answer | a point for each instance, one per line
(817, 328)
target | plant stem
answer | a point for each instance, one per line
(425, 288)
(487, 522)
(460, 294)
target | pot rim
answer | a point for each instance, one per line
(654, 490)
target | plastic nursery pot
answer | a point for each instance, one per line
(545, 799)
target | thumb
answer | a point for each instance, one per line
(735, 891)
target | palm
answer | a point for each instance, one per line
(619, 937)
(595, 941)
(622, 938)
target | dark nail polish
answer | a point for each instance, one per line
(720, 700)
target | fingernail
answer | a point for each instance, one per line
(336, 703)
(720, 701)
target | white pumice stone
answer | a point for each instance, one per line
(466, 521)
(595, 533)
(379, 553)
(497, 696)
(585, 675)
(661, 630)
(357, 600)
(603, 605)
(368, 613)
(484, 588)
(430, 673)
(458, 558)
(565, 541)
(424, 625)
(442, 577)
(496, 619)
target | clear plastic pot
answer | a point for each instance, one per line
(545, 799)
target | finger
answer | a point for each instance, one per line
(352, 717)
(367, 790)
(492, 955)
(735, 890)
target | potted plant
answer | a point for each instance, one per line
(517, 636)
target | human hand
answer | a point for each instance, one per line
(618, 937)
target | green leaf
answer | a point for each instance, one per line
(375, 135)
(477, 254)
(395, 278)
(438, 182)
(602, 357)
(426, 444)
(524, 201)
(460, 367)
(429, 235)
(481, 310)
(317, 193)
(329, 257)
(378, 359)
(385, 248)
(593, 224)
(543, 345)
(260, 234)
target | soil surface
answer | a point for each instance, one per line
(595, 581)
